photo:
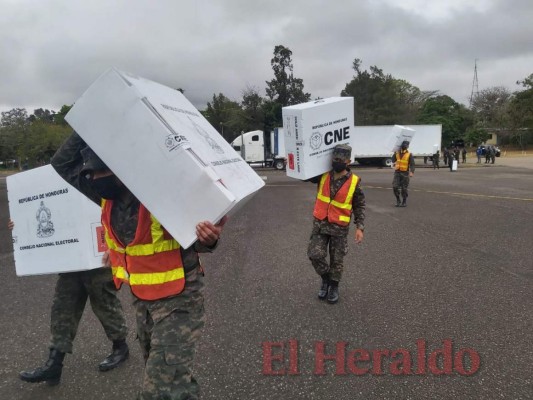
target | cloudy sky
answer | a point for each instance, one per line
(52, 50)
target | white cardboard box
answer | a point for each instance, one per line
(398, 135)
(455, 163)
(57, 229)
(312, 130)
(164, 151)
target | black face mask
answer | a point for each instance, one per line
(338, 166)
(109, 187)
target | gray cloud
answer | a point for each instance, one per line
(52, 50)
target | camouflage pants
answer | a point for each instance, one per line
(317, 252)
(70, 297)
(400, 182)
(168, 330)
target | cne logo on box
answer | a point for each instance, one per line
(337, 135)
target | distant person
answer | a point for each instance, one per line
(487, 154)
(464, 155)
(70, 296)
(493, 154)
(339, 196)
(436, 160)
(451, 158)
(478, 154)
(445, 154)
(404, 168)
(456, 153)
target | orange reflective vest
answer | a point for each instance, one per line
(339, 209)
(402, 161)
(151, 264)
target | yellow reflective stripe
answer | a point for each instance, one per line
(319, 195)
(344, 218)
(351, 191)
(158, 244)
(111, 244)
(156, 230)
(120, 272)
(345, 206)
(323, 198)
(152, 248)
(157, 278)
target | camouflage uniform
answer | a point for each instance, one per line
(70, 297)
(457, 154)
(400, 182)
(167, 328)
(326, 235)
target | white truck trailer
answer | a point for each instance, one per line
(371, 143)
(251, 146)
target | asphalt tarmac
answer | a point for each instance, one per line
(452, 271)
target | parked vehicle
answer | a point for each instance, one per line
(251, 146)
(372, 143)
(277, 148)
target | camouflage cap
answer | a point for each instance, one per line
(405, 143)
(91, 162)
(343, 151)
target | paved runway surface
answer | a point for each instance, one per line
(455, 264)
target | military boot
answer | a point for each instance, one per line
(50, 373)
(398, 201)
(333, 292)
(404, 202)
(119, 354)
(323, 292)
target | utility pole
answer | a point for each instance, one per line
(475, 86)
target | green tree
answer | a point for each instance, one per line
(520, 113)
(14, 129)
(42, 141)
(252, 109)
(225, 115)
(32, 140)
(476, 135)
(454, 117)
(272, 112)
(490, 106)
(42, 115)
(284, 89)
(59, 118)
(411, 99)
(381, 99)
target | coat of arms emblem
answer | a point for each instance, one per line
(45, 226)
